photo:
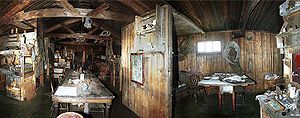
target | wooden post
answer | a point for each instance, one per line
(83, 58)
(220, 98)
(114, 73)
(233, 100)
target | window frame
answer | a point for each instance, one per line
(209, 53)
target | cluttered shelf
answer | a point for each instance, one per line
(279, 103)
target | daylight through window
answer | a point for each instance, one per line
(209, 46)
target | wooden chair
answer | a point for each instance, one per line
(194, 88)
(182, 87)
(98, 108)
(241, 91)
(62, 106)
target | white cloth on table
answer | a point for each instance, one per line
(226, 89)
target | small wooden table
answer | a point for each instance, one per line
(97, 92)
(219, 83)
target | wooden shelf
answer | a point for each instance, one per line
(28, 74)
(292, 32)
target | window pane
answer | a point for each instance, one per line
(208, 46)
(201, 47)
(217, 46)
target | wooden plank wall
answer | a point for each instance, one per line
(258, 56)
(151, 99)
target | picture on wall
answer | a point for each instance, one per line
(137, 67)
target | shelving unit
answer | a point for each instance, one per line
(20, 77)
(288, 40)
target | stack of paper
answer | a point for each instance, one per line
(66, 91)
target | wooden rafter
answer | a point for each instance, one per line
(57, 26)
(105, 27)
(5, 19)
(21, 25)
(80, 36)
(139, 7)
(58, 12)
(77, 43)
(93, 30)
(69, 29)
(99, 9)
(69, 7)
(29, 24)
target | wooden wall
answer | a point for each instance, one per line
(257, 57)
(153, 98)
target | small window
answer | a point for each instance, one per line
(208, 47)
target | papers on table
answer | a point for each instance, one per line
(235, 78)
(66, 91)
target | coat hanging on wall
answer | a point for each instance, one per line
(231, 53)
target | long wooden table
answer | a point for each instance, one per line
(96, 92)
(220, 84)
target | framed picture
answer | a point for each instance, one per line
(137, 67)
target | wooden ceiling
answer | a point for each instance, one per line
(215, 15)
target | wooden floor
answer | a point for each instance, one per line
(187, 108)
(39, 107)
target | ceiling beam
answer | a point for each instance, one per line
(114, 34)
(80, 36)
(29, 24)
(139, 7)
(77, 43)
(69, 29)
(57, 26)
(99, 9)
(93, 30)
(107, 28)
(249, 11)
(21, 25)
(58, 12)
(69, 7)
(5, 19)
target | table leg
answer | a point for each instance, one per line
(220, 99)
(107, 110)
(56, 109)
(86, 108)
(233, 100)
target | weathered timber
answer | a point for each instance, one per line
(21, 25)
(105, 27)
(9, 15)
(77, 43)
(69, 7)
(258, 56)
(67, 22)
(99, 9)
(97, 92)
(93, 30)
(153, 98)
(69, 30)
(184, 26)
(139, 7)
(79, 36)
(246, 16)
(58, 12)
